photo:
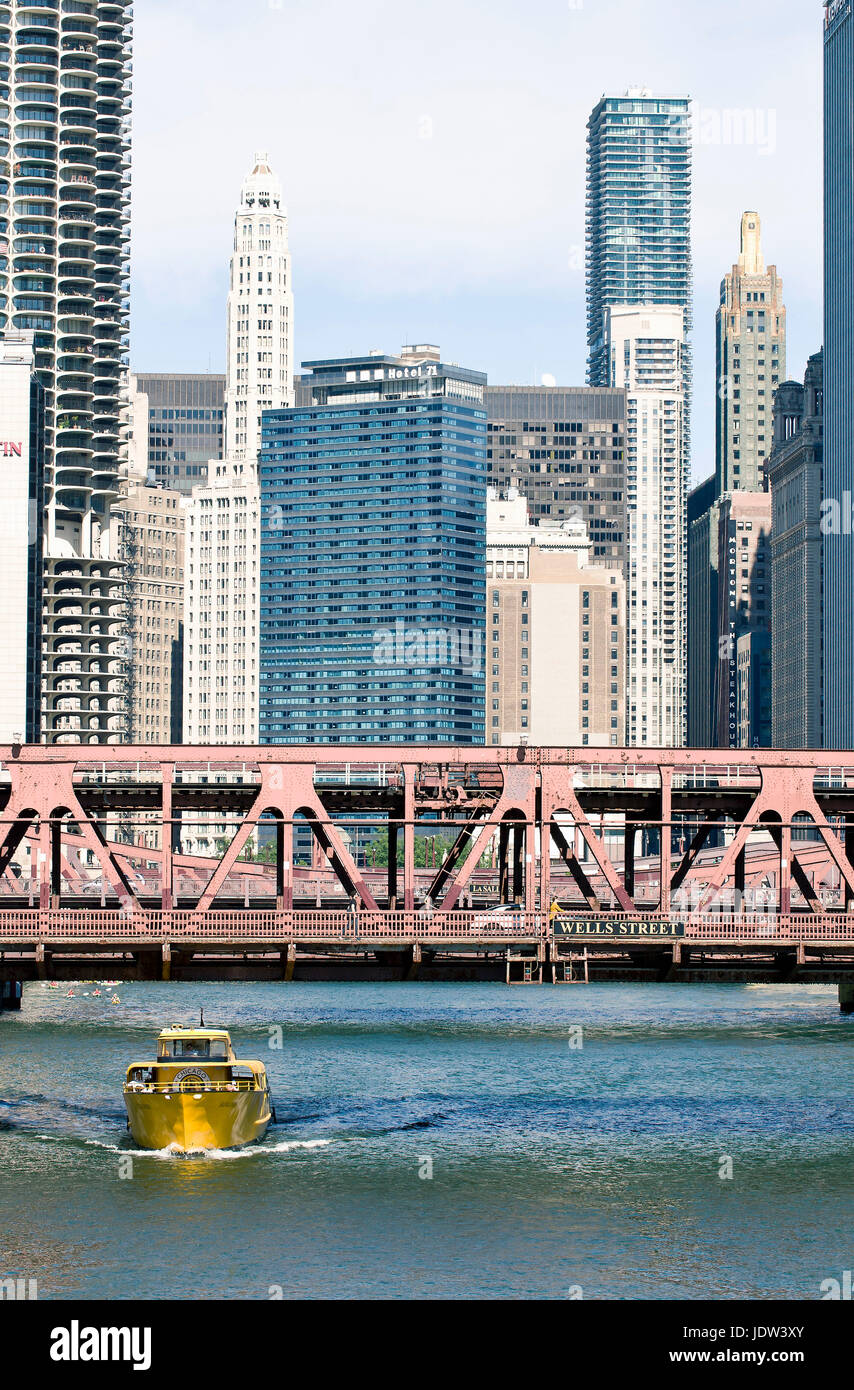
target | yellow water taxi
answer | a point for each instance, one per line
(196, 1095)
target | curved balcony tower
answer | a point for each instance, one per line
(65, 96)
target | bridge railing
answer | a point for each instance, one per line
(101, 927)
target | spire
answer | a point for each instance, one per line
(261, 187)
(750, 259)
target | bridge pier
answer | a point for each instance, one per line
(10, 993)
(846, 996)
(166, 965)
(289, 957)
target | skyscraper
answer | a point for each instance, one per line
(751, 362)
(638, 214)
(838, 483)
(638, 321)
(21, 539)
(564, 448)
(177, 427)
(644, 346)
(222, 541)
(555, 661)
(373, 536)
(65, 71)
(260, 313)
(795, 475)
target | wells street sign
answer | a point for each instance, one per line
(590, 927)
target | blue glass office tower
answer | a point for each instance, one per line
(838, 542)
(373, 538)
(638, 213)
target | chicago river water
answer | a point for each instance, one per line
(442, 1140)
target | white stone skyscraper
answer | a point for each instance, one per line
(222, 541)
(260, 314)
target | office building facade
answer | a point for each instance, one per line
(177, 428)
(556, 633)
(743, 669)
(564, 449)
(65, 72)
(222, 549)
(838, 466)
(373, 502)
(795, 475)
(22, 459)
(703, 647)
(750, 337)
(151, 545)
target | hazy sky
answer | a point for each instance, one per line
(432, 158)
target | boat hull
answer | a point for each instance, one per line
(189, 1121)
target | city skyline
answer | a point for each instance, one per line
(499, 280)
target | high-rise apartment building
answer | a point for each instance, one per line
(22, 460)
(644, 346)
(638, 321)
(795, 475)
(177, 428)
(65, 71)
(743, 669)
(372, 555)
(555, 635)
(151, 544)
(638, 215)
(260, 313)
(838, 470)
(751, 363)
(564, 449)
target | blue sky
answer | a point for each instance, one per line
(432, 158)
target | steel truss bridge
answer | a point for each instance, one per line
(668, 863)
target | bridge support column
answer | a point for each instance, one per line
(846, 996)
(289, 956)
(43, 959)
(410, 969)
(166, 846)
(409, 773)
(665, 843)
(166, 962)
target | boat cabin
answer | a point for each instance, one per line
(193, 1059)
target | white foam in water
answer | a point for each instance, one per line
(172, 1151)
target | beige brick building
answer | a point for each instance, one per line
(151, 537)
(555, 638)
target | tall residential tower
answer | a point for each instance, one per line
(638, 320)
(65, 77)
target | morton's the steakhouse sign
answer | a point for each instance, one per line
(8, 447)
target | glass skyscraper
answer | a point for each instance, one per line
(638, 213)
(838, 482)
(638, 319)
(373, 536)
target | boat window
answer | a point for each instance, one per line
(184, 1049)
